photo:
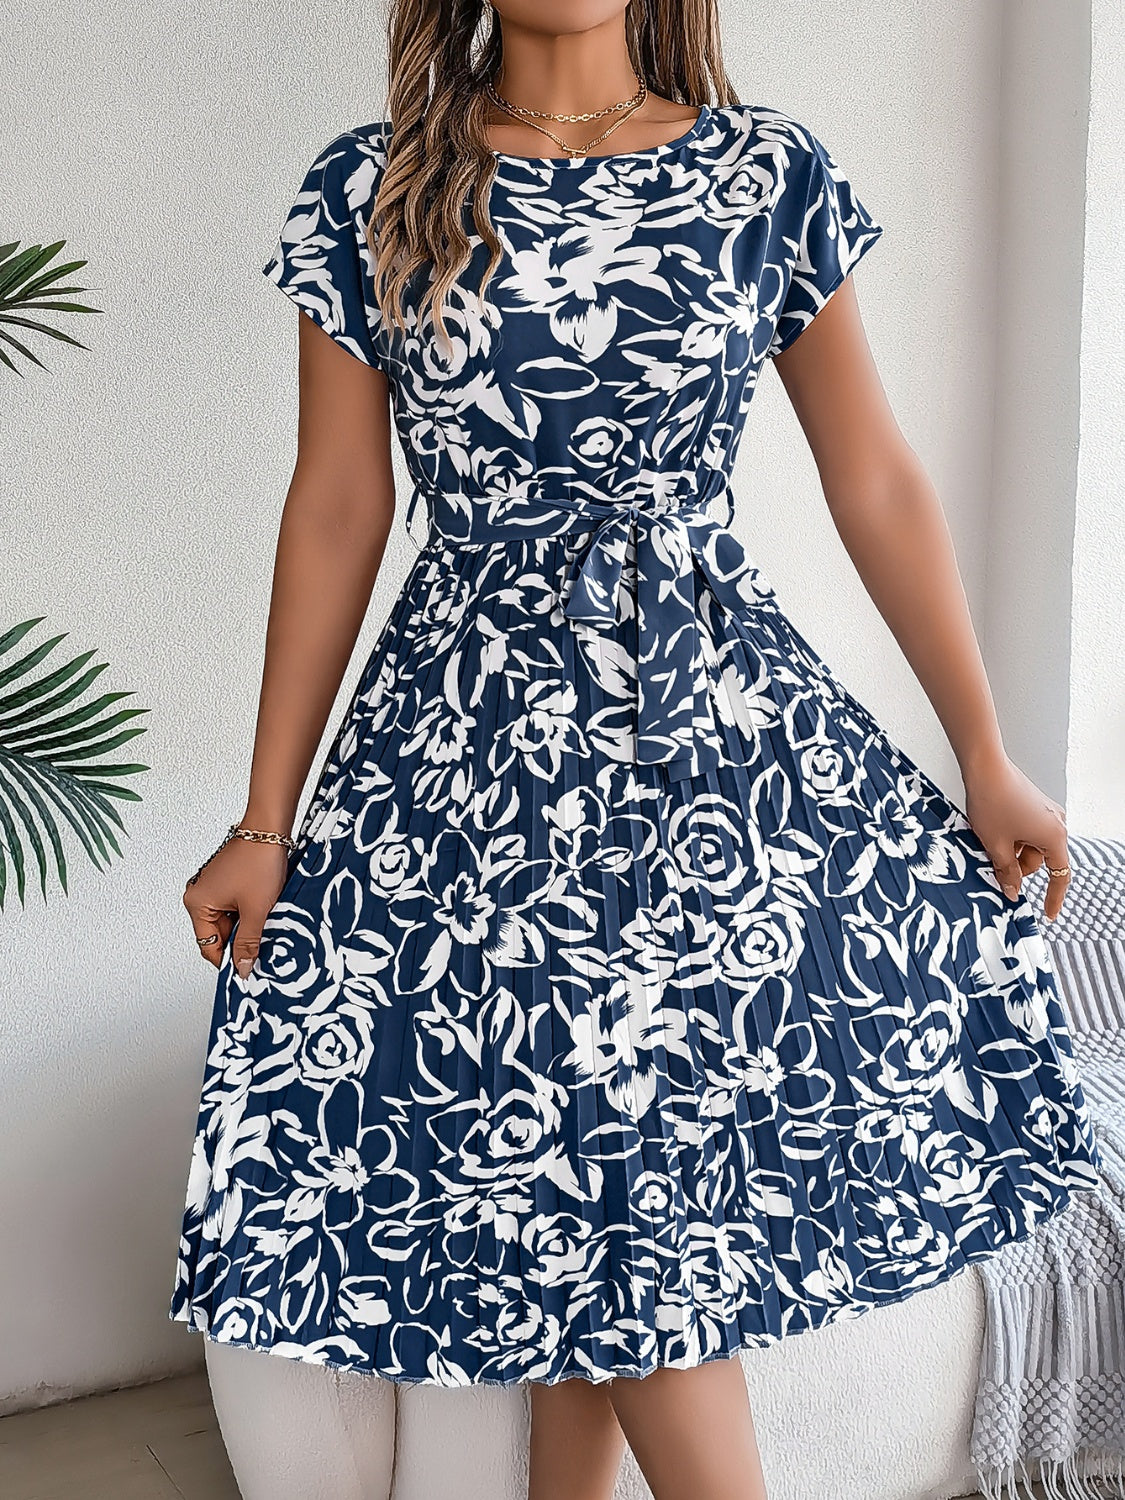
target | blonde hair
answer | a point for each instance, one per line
(442, 53)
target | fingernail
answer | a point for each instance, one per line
(244, 965)
(1010, 890)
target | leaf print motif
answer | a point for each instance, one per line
(632, 998)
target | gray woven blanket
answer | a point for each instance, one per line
(1051, 1397)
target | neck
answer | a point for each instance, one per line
(570, 73)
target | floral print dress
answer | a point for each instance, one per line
(631, 998)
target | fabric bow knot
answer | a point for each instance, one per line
(682, 697)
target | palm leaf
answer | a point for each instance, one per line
(29, 284)
(54, 773)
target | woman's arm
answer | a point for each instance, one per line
(892, 524)
(333, 532)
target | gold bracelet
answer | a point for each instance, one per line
(258, 836)
(255, 835)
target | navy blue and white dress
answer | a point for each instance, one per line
(631, 998)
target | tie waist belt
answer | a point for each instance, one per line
(688, 699)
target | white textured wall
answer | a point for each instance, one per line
(1096, 761)
(140, 487)
(1028, 599)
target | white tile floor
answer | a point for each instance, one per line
(156, 1442)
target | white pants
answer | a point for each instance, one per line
(304, 1432)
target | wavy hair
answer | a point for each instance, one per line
(442, 54)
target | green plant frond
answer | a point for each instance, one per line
(51, 277)
(64, 294)
(30, 284)
(122, 793)
(107, 817)
(41, 830)
(42, 729)
(24, 266)
(68, 690)
(55, 333)
(20, 267)
(10, 338)
(43, 735)
(24, 665)
(88, 773)
(48, 706)
(54, 773)
(34, 792)
(16, 633)
(87, 813)
(76, 784)
(12, 839)
(83, 752)
(42, 791)
(62, 307)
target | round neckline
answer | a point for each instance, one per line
(642, 153)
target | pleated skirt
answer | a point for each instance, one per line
(552, 1066)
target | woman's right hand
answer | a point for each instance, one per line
(243, 880)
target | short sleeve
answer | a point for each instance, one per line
(322, 259)
(832, 232)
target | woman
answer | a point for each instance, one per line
(628, 997)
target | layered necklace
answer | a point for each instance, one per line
(532, 116)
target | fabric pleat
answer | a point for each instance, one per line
(554, 1066)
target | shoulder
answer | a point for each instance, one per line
(805, 168)
(769, 130)
(347, 167)
(360, 140)
(372, 140)
(323, 259)
(768, 157)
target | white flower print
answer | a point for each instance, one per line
(559, 1247)
(715, 847)
(580, 278)
(505, 1144)
(337, 1044)
(955, 1175)
(542, 735)
(763, 944)
(599, 442)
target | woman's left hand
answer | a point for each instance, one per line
(1020, 827)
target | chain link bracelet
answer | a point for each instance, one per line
(255, 835)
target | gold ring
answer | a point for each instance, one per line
(1059, 873)
(207, 941)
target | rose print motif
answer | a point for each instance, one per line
(337, 1044)
(599, 441)
(715, 848)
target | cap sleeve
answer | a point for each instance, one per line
(832, 232)
(322, 260)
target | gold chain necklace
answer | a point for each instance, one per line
(574, 152)
(546, 114)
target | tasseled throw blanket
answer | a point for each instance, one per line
(1051, 1399)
